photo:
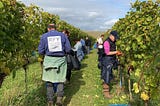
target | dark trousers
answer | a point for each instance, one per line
(88, 49)
(51, 90)
(106, 70)
(100, 53)
(68, 76)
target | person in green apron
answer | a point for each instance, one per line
(54, 46)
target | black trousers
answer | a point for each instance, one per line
(106, 70)
(68, 76)
(100, 54)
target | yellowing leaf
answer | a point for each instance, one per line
(135, 87)
(124, 96)
(6, 70)
(144, 96)
(96, 96)
(137, 90)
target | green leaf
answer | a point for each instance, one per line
(134, 46)
(149, 18)
(1, 5)
(133, 63)
(137, 73)
(139, 39)
(139, 56)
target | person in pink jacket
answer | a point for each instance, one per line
(108, 61)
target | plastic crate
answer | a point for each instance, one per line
(118, 105)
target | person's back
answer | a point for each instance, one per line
(54, 43)
(53, 46)
(78, 49)
(83, 42)
(83, 46)
(68, 57)
(88, 44)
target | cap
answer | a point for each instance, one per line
(115, 34)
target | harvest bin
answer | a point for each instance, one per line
(119, 105)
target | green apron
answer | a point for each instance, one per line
(54, 69)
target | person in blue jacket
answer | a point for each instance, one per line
(54, 46)
(78, 49)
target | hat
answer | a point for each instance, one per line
(115, 34)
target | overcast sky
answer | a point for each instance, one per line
(86, 14)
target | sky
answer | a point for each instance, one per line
(91, 15)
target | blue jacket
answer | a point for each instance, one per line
(54, 43)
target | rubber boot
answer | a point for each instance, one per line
(59, 101)
(50, 94)
(106, 92)
(105, 86)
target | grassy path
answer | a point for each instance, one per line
(84, 90)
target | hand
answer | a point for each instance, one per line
(119, 53)
(40, 59)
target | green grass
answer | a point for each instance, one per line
(13, 91)
(85, 88)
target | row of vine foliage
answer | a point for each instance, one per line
(139, 40)
(20, 30)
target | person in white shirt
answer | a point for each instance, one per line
(100, 46)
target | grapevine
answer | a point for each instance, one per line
(139, 41)
(21, 28)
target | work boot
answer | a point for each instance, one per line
(106, 92)
(105, 86)
(50, 103)
(59, 101)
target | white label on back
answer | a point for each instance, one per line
(54, 44)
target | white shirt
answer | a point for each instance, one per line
(100, 43)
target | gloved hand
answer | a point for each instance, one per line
(119, 53)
